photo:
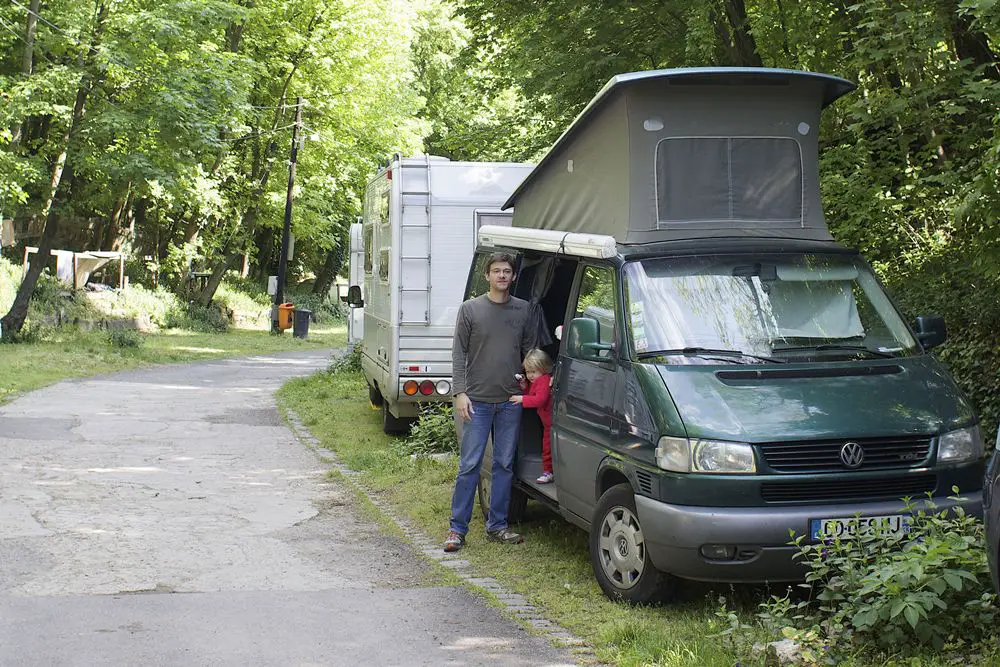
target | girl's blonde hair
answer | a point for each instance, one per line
(537, 360)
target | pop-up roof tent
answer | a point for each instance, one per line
(687, 153)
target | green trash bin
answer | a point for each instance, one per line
(300, 328)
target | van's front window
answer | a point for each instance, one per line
(761, 309)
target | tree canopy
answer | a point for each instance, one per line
(162, 127)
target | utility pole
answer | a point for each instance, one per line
(279, 294)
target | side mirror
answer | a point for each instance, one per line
(931, 331)
(354, 299)
(585, 340)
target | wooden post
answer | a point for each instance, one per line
(121, 271)
(24, 265)
(76, 284)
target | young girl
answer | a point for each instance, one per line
(538, 369)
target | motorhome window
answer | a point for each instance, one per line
(596, 299)
(383, 265)
(383, 208)
(735, 179)
(368, 239)
(822, 307)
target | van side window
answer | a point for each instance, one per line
(596, 299)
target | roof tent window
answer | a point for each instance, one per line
(737, 179)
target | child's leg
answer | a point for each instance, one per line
(546, 450)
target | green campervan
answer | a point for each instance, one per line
(726, 374)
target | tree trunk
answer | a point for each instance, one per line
(13, 321)
(744, 44)
(971, 44)
(27, 59)
(218, 273)
(331, 267)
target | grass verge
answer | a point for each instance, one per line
(552, 569)
(68, 353)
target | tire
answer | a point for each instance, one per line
(394, 425)
(618, 555)
(375, 396)
(518, 499)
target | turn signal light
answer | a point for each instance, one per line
(410, 388)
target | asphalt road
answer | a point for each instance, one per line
(169, 517)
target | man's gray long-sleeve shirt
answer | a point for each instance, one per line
(491, 340)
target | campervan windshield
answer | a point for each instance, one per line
(761, 309)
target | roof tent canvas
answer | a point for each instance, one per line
(687, 154)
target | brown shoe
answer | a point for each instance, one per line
(504, 535)
(454, 542)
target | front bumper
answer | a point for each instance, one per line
(674, 535)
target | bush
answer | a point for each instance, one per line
(348, 363)
(882, 593)
(325, 309)
(210, 319)
(434, 432)
(125, 338)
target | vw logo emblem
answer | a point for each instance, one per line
(852, 454)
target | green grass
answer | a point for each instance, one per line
(552, 569)
(68, 353)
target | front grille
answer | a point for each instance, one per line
(824, 455)
(865, 488)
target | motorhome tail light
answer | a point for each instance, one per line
(426, 387)
(443, 387)
(410, 387)
(388, 174)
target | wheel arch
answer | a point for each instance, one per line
(610, 473)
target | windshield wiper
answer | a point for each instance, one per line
(838, 346)
(708, 353)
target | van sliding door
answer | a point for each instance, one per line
(582, 413)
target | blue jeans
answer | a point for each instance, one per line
(504, 420)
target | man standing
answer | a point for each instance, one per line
(492, 335)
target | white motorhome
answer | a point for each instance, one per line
(418, 234)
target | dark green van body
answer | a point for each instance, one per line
(728, 375)
(609, 416)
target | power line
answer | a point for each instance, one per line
(21, 37)
(43, 19)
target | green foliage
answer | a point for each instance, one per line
(124, 339)
(325, 309)
(348, 363)
(434, 432)
(206, 319)
(880, 593)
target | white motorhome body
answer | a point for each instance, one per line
(421, 216)
(356, 275)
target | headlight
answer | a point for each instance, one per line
(965, 444)
(708, 456)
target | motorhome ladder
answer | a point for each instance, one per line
(415, 245)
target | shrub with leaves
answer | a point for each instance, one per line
(125, 338)
(348, 363)
(434, 432)
(892, 593)
(210, 319)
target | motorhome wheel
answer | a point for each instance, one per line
(618, 553)
(394, 425)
